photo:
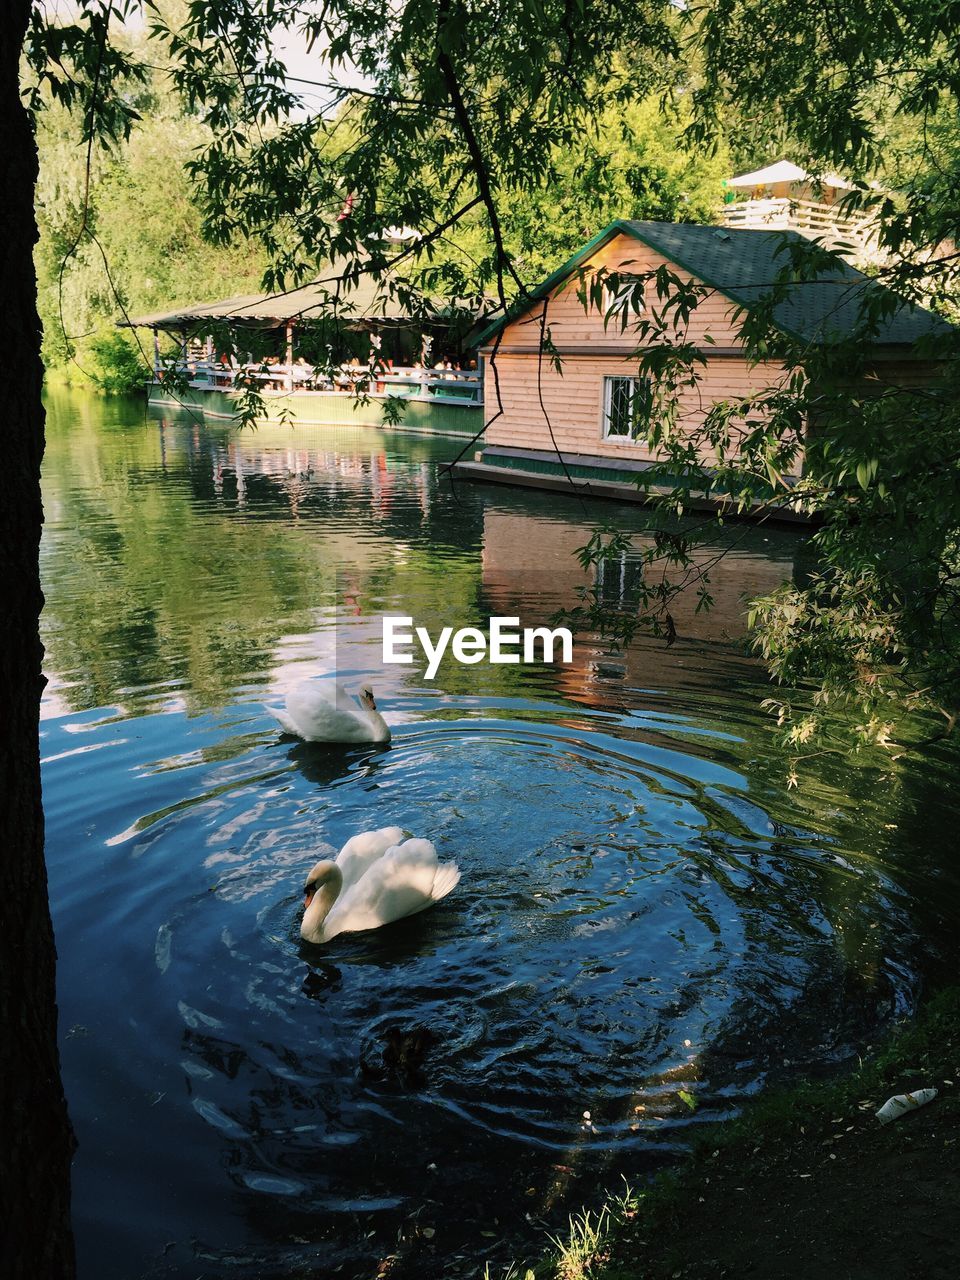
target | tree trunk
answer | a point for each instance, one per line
(37, 1143)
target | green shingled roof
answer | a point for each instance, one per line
(745, 265)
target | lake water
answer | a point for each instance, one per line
(649, 926)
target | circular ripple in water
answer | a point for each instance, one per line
(628, 925)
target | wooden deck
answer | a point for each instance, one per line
(434, 402)
(853, 237)
(594, 477)
(452, 386)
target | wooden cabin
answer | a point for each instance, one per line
(581, 421)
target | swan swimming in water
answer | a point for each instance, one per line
(319, 712)
(375, 880)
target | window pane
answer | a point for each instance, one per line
(623, 294)
(641, 406)
(619, 582)
(621, 394)
(629, 403)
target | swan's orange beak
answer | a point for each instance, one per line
(308, 895)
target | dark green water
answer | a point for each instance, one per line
(644, 908)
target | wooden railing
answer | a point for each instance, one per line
(824, 222)
(445, 385)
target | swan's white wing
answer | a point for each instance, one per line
(361, 851)
(325, 713)
(407, 879)
(316, 697)
(446, 879)
(284, 721)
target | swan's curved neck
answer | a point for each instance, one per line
(327, 891)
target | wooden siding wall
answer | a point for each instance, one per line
(573, 400)
(572, 404)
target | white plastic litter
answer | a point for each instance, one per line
(901, 1103)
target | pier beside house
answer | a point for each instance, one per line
(315, 357)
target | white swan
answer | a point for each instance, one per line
(323, 712)
(374, 881)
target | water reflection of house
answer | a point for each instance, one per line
(587, 424)
(530, 570)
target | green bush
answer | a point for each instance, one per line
(117, 365)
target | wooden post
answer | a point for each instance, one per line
(426, 350)
(156, 353)
(289, 378)
(374, 359)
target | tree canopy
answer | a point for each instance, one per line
(145, 251)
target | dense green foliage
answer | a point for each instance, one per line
(632, 164)
(144, 250)
(150, 253)
(871, 88)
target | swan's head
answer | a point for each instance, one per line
(367, 698)
(324, 871)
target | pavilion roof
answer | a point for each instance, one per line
(787, 171)
(357, 300)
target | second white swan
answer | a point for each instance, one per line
(323, 711)
(374, 881)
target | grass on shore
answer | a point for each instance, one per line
(748, 1175)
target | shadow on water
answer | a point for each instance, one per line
(326, 763)
(644, 912)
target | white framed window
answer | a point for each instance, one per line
(627, 405)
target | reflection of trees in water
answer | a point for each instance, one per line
(866, 889)
(157, 579)
(832, 887)
(160, 577)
